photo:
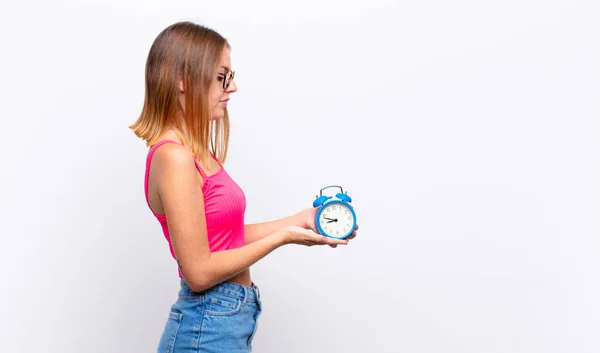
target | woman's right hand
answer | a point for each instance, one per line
(307, 237)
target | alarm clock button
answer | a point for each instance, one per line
(344, 197)
(321, 200)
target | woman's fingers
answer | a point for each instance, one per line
(353, 235)
(333, 241)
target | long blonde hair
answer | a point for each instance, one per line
(191, 52)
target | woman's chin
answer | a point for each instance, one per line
(218, 114)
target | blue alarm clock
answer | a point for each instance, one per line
(335, 217)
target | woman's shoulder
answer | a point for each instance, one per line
(167, 156)
(172, 154)
(174, 169)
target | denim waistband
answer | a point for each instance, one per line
(244, 293)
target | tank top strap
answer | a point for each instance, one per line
(217, 160)
(201, 170)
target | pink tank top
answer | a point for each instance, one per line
(224, 205)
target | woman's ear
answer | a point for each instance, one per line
(180, 85)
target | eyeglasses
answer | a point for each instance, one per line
(227, 79)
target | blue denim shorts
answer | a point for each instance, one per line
(220, 319)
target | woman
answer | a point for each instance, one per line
(185, 123)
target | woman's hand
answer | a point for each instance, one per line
(307, 237)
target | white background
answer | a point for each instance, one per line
(466, 132)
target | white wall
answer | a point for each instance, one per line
(466, 131)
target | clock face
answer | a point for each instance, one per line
(336, 219)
